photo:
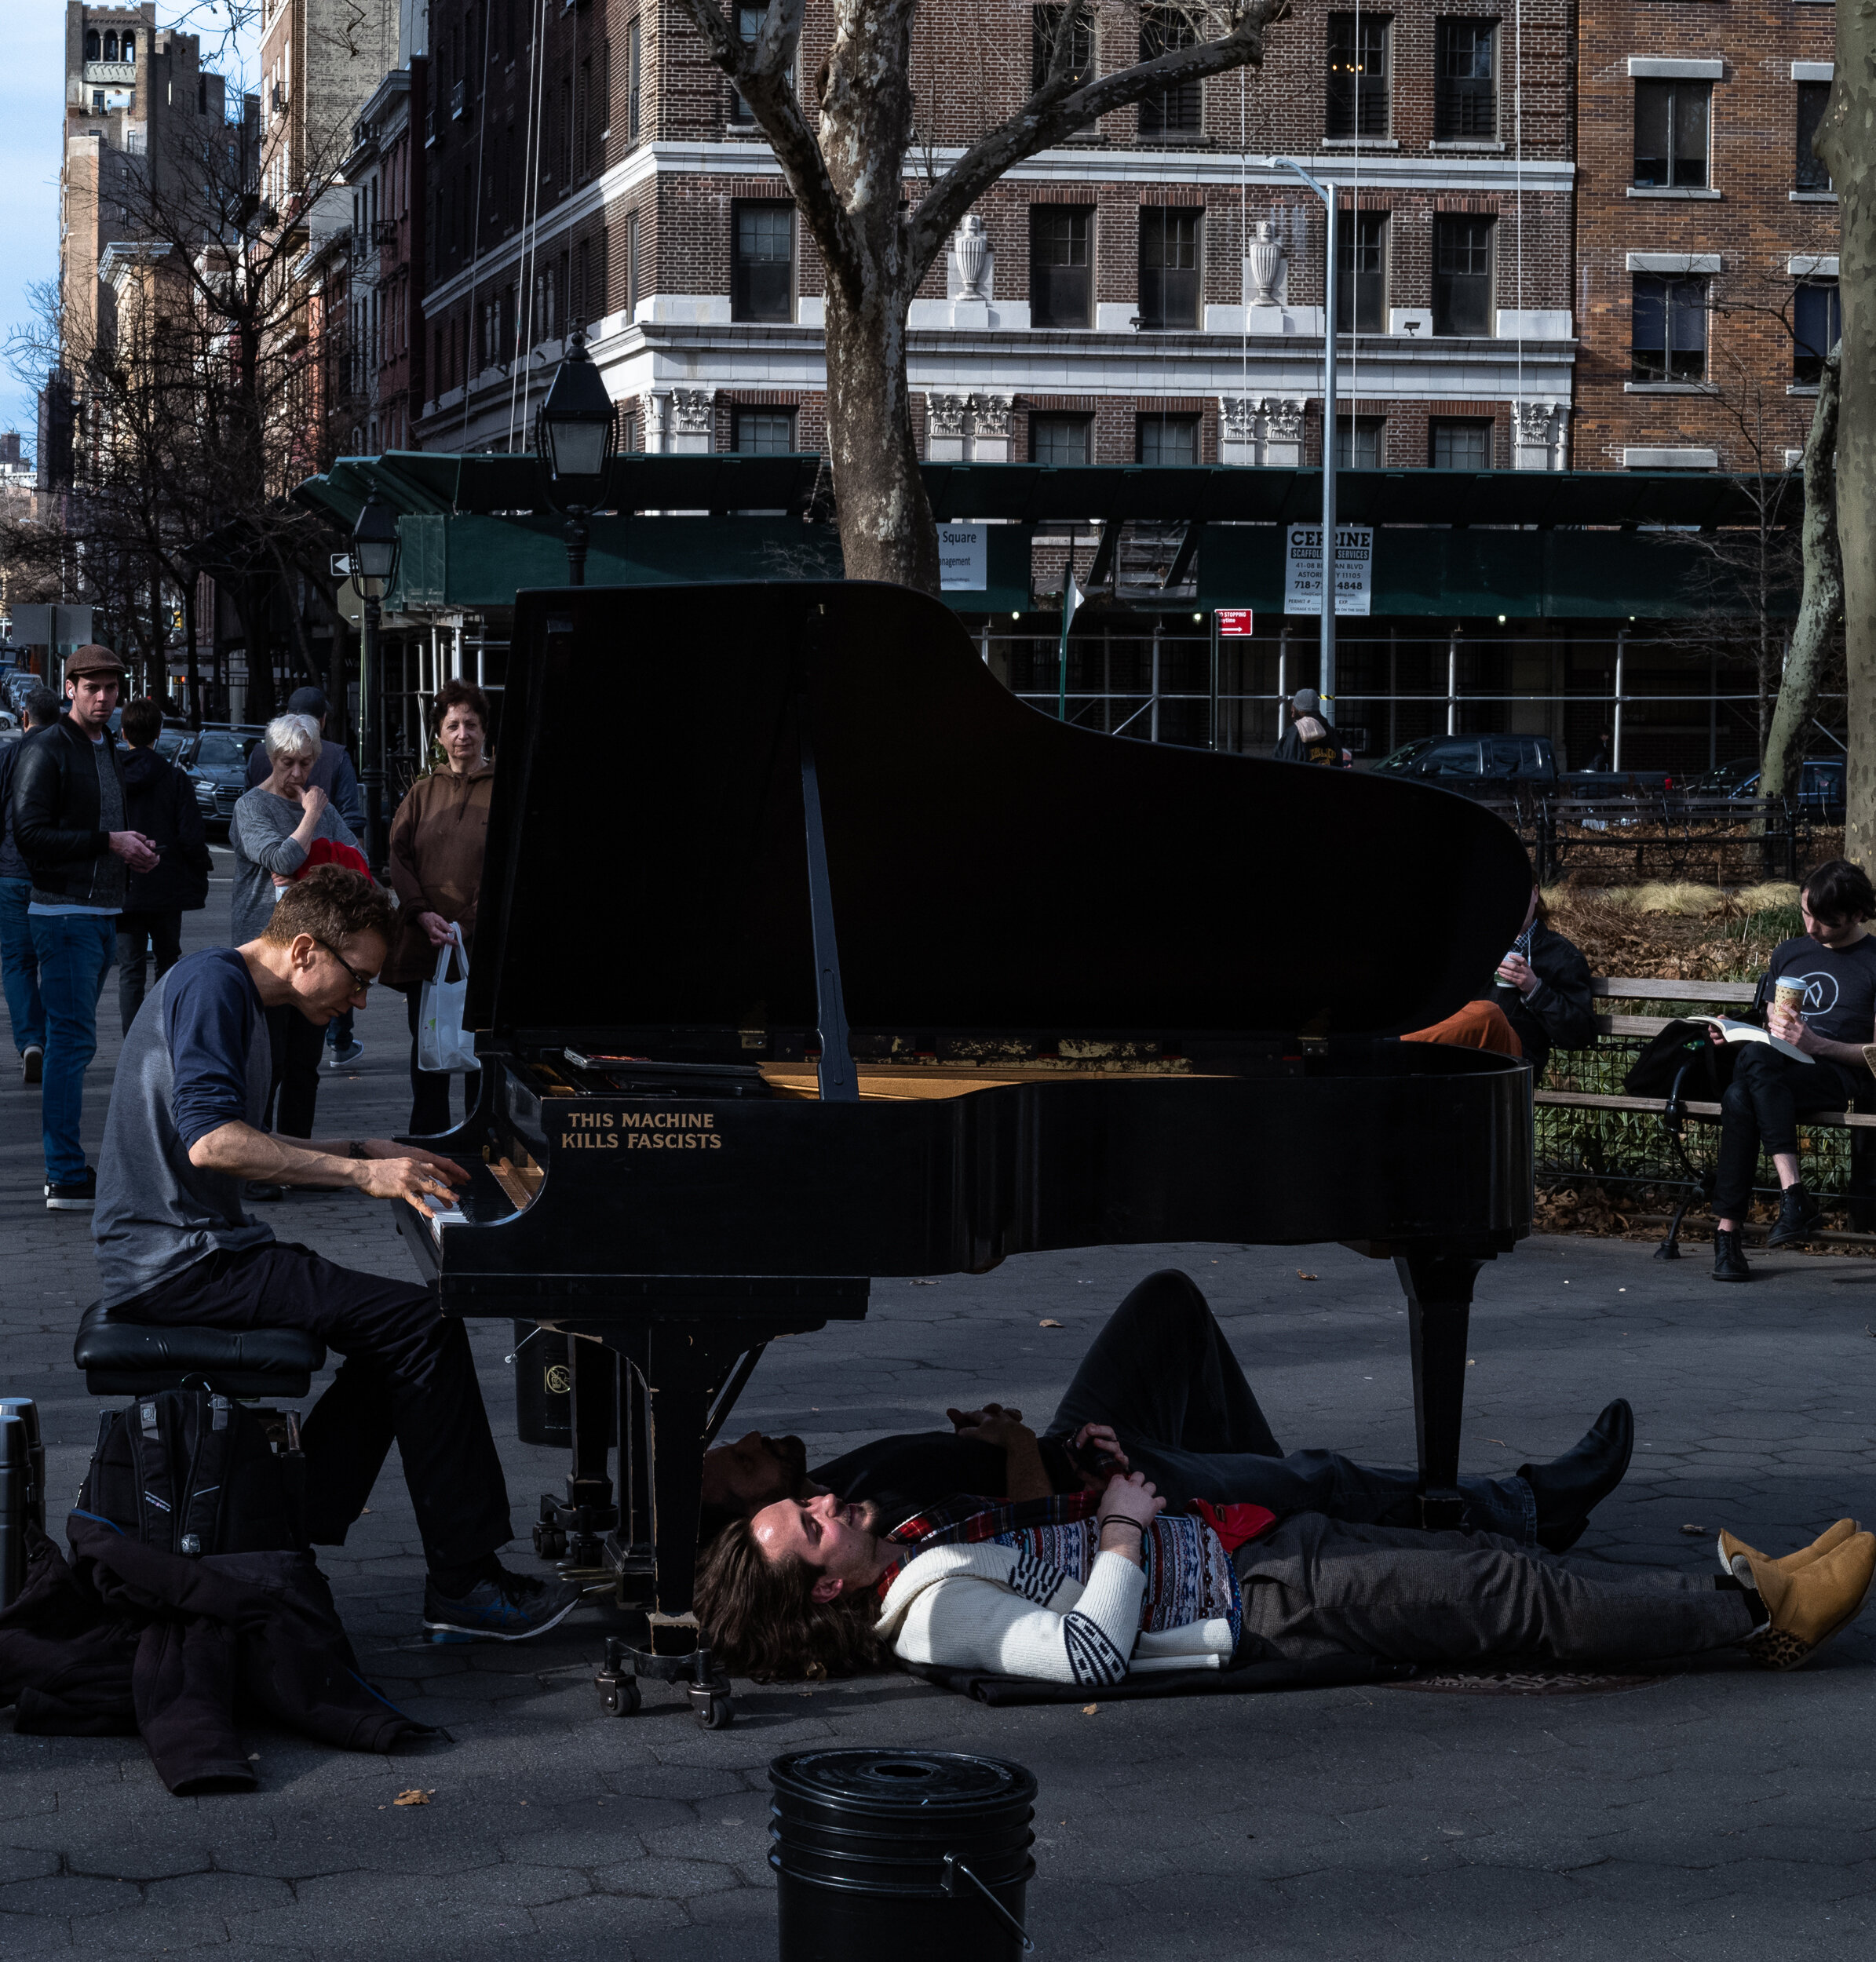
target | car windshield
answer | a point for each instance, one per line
(219, 750)
(1405, 754)
(170, 741)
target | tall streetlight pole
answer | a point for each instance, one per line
(1326, 684)
(575, 433)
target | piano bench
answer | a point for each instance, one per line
(132, 1359)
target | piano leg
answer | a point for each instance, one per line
(1439, 1291)
(589, 1513)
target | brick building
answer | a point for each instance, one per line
(1145, 292)
(1707, 232)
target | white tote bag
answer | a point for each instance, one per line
(441, 1042)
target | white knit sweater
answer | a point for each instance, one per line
(999, 1609)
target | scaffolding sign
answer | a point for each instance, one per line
(1354, 569)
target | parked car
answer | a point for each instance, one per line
(1476, 765)
(1820, 789)
(216, 763)
(10, 728)
(1724, 780)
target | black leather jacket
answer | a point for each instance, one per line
(53, 818)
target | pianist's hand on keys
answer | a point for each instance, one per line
(407, 1172)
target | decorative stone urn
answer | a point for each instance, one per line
(1264, 261)
(970, 246)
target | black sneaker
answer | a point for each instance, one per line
(1729, 1255)
(32, 1064)
(72, 1195)
(508, 1609)
(1798, 1212)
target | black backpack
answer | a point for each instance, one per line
(1683, 1061)
(190, 1472)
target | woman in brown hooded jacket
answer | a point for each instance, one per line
(437, 840)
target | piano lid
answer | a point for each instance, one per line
(992, 870)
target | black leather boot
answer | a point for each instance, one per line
(1797, 1214)
(1729, 1255)
(1568, 1489)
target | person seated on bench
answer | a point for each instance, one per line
(1834, 959)
(1479, 1025)
(1544, 988)
(1159, 1391)
(175, 1250)
(1086, 1589)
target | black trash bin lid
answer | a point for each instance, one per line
(875, 1781)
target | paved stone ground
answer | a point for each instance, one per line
(1722, 1815)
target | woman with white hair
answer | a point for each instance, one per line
(272, 830)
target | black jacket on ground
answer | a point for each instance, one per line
(128, 1637)
(12, 864)
(160, 802)
(54, 809)
(1560, 1012)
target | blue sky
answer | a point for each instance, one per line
(31, 89)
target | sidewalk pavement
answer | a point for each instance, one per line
(1718, 1815)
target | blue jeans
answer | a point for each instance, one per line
(19, 966)
(74, 951)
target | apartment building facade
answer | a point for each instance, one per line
(1152, 291)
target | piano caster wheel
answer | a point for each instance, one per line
(550, 1542)
(717, 1714)
(619, 1696)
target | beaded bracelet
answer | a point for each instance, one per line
(1120, 1518)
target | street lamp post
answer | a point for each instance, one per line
(575, 435)
(1326, 683)
(375, 546)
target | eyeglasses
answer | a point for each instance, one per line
(359, 982)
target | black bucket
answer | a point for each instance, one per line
(27, 1411)
(922, 1855)
(543, 1407)
(15, 1476)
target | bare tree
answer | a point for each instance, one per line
(846, 163)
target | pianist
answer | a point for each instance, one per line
(175, 1249)
(1160, 1390)
(1087, 1589)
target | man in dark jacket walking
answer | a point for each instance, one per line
(161, 805)
(19, 965)
(69, 816)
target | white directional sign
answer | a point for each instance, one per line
(1354, 569)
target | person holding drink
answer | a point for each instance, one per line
(1820, 996)
(1542, 985)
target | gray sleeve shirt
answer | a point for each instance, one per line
(261, 832)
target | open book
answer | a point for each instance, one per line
(1731, 1031)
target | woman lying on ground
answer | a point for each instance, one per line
(1085, 1588)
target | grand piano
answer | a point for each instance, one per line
(807, 955)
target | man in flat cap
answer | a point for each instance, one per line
(68, 821)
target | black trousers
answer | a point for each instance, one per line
(430, 1089)
(1759, 1112)
(295, 1045)
(1161, 1373)
(408, 1378)
(159, 934)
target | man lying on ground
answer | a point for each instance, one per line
(1087, 1589)
(1159, 1391)
(175, 1249)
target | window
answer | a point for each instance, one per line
(91, 44)
(1813, 174)
(762, 280)
(202, 95)
(1816, 326)
(748, 24)
(583, 287)
(1361, 267)
(1060, 291)
(1359, 443)
(1358, 75)
(1671, 134)
(1167, 439)
(1456, 444)
(1178, 110)
(1461, 274)
(110, 47)
(1058, 438)
(1465, 105)
(632, 81)
(1667, 329)
(589, 125)
(1045, 24)
(129, 48)
(1169, 267)
(631, 265)
(764, 432)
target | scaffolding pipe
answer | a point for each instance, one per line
(1452, 683)
(1621, 648)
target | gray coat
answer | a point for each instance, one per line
(261, 832)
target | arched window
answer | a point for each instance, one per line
(129, 47)
(110, 47)
(91, 45)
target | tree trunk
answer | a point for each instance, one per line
(1844, 144)
(1822, 605)
(885, 518)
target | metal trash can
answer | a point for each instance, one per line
(922, 1855)
(15, 1476)
(27, 1411)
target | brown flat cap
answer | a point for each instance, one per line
(93, 659)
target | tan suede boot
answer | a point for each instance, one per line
(1808, 1605)
(1734, 1551)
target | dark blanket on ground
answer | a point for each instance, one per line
(1320, 1673)
(129, 1638)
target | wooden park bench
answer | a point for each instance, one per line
(1717, 997)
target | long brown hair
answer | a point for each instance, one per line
(761, 1620)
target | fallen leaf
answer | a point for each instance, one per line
(1499, 1442)
(1302, 1276)
(924, 1284)
(1472, 1362)
(1693, 1532)
(1048, 1325)
(1088, 1709)
(411, 1798)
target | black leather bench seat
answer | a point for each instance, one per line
(130, 1359)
